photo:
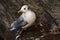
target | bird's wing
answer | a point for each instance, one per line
(19, 23)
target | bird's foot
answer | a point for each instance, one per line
(18, 34)
(17, 37)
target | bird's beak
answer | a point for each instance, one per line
(19, 11)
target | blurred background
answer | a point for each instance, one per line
(8, 14)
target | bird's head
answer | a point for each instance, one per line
(24, 8)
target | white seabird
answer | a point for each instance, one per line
(27, 18)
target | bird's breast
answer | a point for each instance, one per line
(30, 17)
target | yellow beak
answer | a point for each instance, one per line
(19, 11)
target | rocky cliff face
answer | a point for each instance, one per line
(8, 14)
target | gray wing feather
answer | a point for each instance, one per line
(19, 23)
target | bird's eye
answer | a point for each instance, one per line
(24, 8)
